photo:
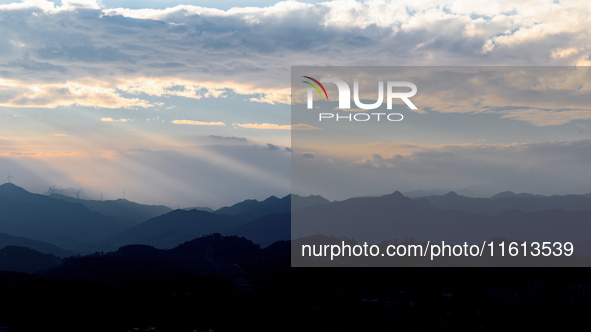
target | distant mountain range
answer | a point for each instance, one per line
(451, 218)
(506, 201)
(61, 225)
(264, 222)
(171, 229)
(122, 209)
(252, 208)
(178, 226)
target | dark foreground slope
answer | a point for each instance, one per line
(230, 284)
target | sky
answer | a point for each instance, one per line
(188, 103)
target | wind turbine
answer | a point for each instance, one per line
(102, 193)
(78, 193)
(9, 177)
(123, 193)
(51, 188)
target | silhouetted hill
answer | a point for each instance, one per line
(200, 208)
(251, 209)
(265, 230)
(42, 247)
(175, 227)
(126, 291)
(67, 192)
(243, 207)
(131, 212)
(441, 191)
(536, 203)
(302, 202)
(504, 194)
(369, 218)
(506, 201)
(453, 201)
(21, 259)
(38, 217)
(141, 265)
(215, 248)
(510, 194)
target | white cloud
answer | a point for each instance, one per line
(275, 126)
(199, 52)
(541, 118)
(562, 53)
(75, 4)
(198, 123)
(29, 4)
(114, 120)
(51, 95)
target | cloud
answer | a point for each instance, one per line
(374, 160)
(31, 4)
(229, 138)
(51, 95)
(198, 123)
(541, 118)
(562, 53)
(272, 146)
(275, 126)
(114, 120)
(262, 126)
(301, 126)
(170, 86)
(422, 28)
(198, 52)
(60, 135)
(544, 168)
(75, 4)
(487, 161)
(581, 128)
